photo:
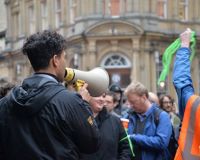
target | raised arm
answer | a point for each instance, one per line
(181, 74)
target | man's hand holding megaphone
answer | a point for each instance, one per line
(97, 80)
(84, 92)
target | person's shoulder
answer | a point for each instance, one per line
(159, 111)
(66, 95)
(65, 91)
(114, 116)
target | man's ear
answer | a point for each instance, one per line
(55, 60)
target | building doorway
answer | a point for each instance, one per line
(118, 67)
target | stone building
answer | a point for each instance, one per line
(126, 37)
(2, 34)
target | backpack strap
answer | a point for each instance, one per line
(156, 114)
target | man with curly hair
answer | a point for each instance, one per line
(41, 119)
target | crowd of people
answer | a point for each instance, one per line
(42, 119)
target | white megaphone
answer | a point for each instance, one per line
(97, 79)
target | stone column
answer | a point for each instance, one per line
(153, 7)
(154, 59)
(83, 8)
(51, 13)
(64, 8)
(92, 54)
(137, 6)
(91, 7)
(135, 75)
(146, 67)
(78, 8)
(37, 11)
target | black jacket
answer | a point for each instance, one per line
(112, 131)
(42, 120)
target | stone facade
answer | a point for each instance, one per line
(126, 37)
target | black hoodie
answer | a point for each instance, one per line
(42, 120)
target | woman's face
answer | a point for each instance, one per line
(167, 104)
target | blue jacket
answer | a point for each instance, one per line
(182, 78)
(155, 139)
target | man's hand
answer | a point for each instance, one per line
(185, 38)
(131, 136)
(84, 92)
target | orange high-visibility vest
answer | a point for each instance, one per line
(189, 138)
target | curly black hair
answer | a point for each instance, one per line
(42, 46)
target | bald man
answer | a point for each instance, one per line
(153, 98)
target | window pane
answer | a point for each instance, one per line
(31, 19)
(44, 16)
(58, 13)
(115, 9)
(162, 8)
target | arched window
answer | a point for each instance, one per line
(118, 67)
(116, 61)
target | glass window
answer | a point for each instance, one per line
(58, 13)
(114, 7)
(98, 5)
(31, 19)
(162, 8)
(115, 60)
(118, 68)
(73, 7)
(44, 17)
(129, 5)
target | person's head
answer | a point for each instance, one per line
(4, 90)
(153, 98)
(137, 95)
(110, 101)
(116, 89)
(46, 53)
(166, 103)
(96, 104)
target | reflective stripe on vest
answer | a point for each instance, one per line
(189, 139)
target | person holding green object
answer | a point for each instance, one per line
(188, 102)
(169, 52)
(150, 139)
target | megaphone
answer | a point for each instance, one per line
(97, 79)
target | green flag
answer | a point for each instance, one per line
(168, 55)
